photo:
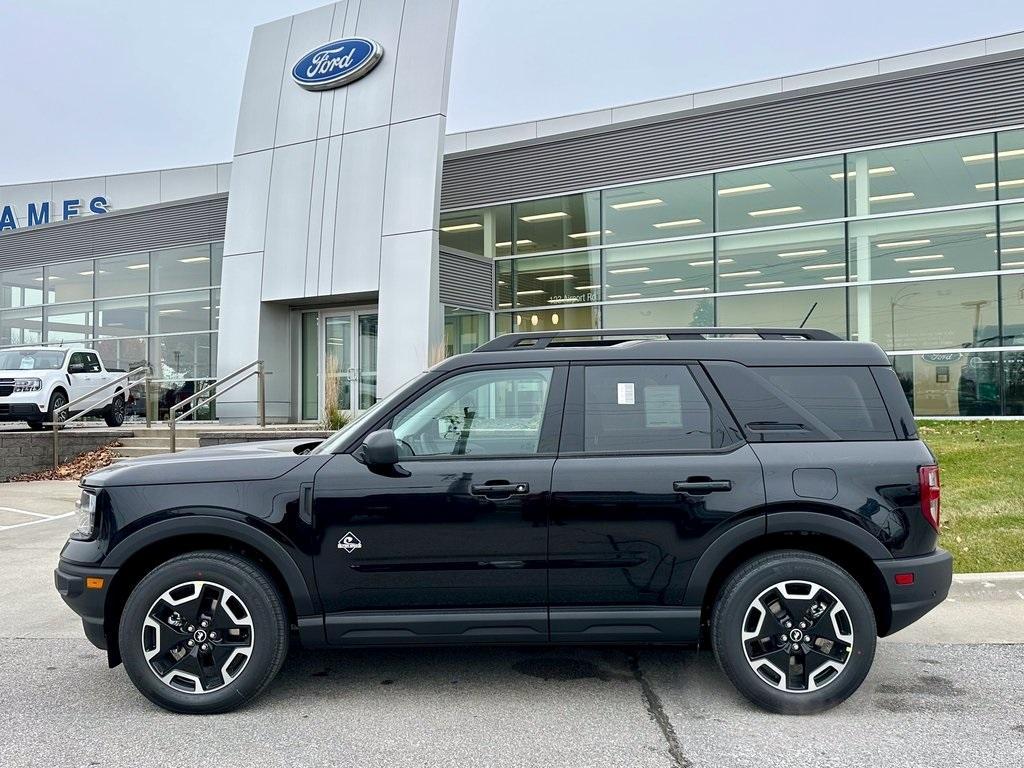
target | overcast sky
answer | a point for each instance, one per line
(91, 88)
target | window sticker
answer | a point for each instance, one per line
(627, 393)
(28, 363)
(663, 405)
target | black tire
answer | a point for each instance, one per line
(268, 641)
(735, 614)
(35, 425)
(57, 399)
(114, 413)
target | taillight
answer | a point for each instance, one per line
(930, 492)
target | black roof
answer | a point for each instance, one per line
(750, 346)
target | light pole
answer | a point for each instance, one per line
(893, 302)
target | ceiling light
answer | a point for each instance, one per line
(545, 216)
(508, 243)
(836, 265)
(831, 278)
(813, 252)
(638, 204)
(709, 262)
(1007, 183)
(893, 196)
(679, 223)
(205, 307)
(39, 279)
(505, 304)
(930, 257)
(1007, 233)
(171, 311)
(566, 276)
(86, 274)
(623, 295)
(1011, 250)
(902, 243)
(592, 233)
(743, 190)
(764, 284)
(691, 290)
(137, 266)
(586, 287)
(194, 259)
(930, 270)
(628, 270)
(663, 281)
(1013, 264)
(991, 155)
(883, 170)
(534, 292)
(748, 273)
(462, 227)
(778, 211)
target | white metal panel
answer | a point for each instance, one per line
(82, 190)
(454, 142)
(413, 187)
(737, 92)
(329, 216)
(577, 122)
(284, 259)
(239, 317)
(652, 108)
(369, 98)
(223, 177)
(1005, 43)
(833, 75)
(355, 256)
(934, 56)
(421, 72)
(298, 109)
(257, 114)
(247, 203)
(183, 183)
(504, 134)
(133, 190)
(316, 216)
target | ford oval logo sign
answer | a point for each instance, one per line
(337, 63)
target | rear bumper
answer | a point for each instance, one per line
(907, 603)
(86, 602)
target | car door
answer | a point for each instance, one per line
(94, 377)
(78, 379)
(451, 543)
(651, 470)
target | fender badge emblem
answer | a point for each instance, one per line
(349, 542)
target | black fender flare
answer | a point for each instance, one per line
(199, 524)
(776, 522)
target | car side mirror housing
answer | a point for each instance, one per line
(76, 368)
(380, 449)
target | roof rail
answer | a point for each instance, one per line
(542, 339)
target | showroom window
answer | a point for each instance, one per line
(70, 281)
(567, 278)
(557, 223)
(663, 209)
(823, 308)
(21, 287)
(123, 275)
(480, 231)
(782, 258)
(679, 269)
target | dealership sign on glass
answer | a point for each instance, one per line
(336, 64)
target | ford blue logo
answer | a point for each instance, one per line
(337, 63)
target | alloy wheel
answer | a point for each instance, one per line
(59, 415)
(797, 636)
(197, 637)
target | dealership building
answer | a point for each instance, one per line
(350, 242)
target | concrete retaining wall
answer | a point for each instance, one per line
(22, 452)
(221, 437)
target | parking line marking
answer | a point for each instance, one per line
(24, 512)
(35, 522)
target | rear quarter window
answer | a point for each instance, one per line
(786, 404)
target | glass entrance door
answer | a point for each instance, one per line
(346, 357)
(338, 367)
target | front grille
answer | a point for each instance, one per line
(6, 387)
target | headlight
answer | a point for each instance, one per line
(85, 510)
(28, 385)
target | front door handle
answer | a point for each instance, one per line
(700, 487)
(500, 488)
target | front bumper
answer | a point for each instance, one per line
(87, 602)
(909, 602)
(20, 412)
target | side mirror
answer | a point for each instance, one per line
(380, 449)
(76, 368)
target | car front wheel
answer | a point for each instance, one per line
(794, 632)
(204, 633)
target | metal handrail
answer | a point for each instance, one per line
(261, 404)
(57, 423)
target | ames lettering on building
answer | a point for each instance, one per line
(43, 213)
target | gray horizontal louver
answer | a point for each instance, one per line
(912, 107)
(466, 282)
(162, 226)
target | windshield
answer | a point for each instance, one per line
(32, 359)
(331, 443)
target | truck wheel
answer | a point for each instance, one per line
(114, 413)
(57, 400)
(794, 632)
(203, 633)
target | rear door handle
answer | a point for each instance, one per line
(500, 489)
(699, 487)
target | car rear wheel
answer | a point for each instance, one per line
(204, 633)
(114, 415)
(794, 632)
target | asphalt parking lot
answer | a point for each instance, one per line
(948, 691)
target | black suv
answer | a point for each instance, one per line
(763, 489)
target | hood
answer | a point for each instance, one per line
(236, 462)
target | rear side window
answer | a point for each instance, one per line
(784, 404)
(635, 408)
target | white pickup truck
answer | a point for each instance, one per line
(36, 381)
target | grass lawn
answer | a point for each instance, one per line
(982, 465)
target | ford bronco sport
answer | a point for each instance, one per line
(764, 490)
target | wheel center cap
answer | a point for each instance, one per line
(796, 635)
(200, 635)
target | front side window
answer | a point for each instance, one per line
(630, 408)
(479, 413)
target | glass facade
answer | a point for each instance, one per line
(157, 308)
(918, 247)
